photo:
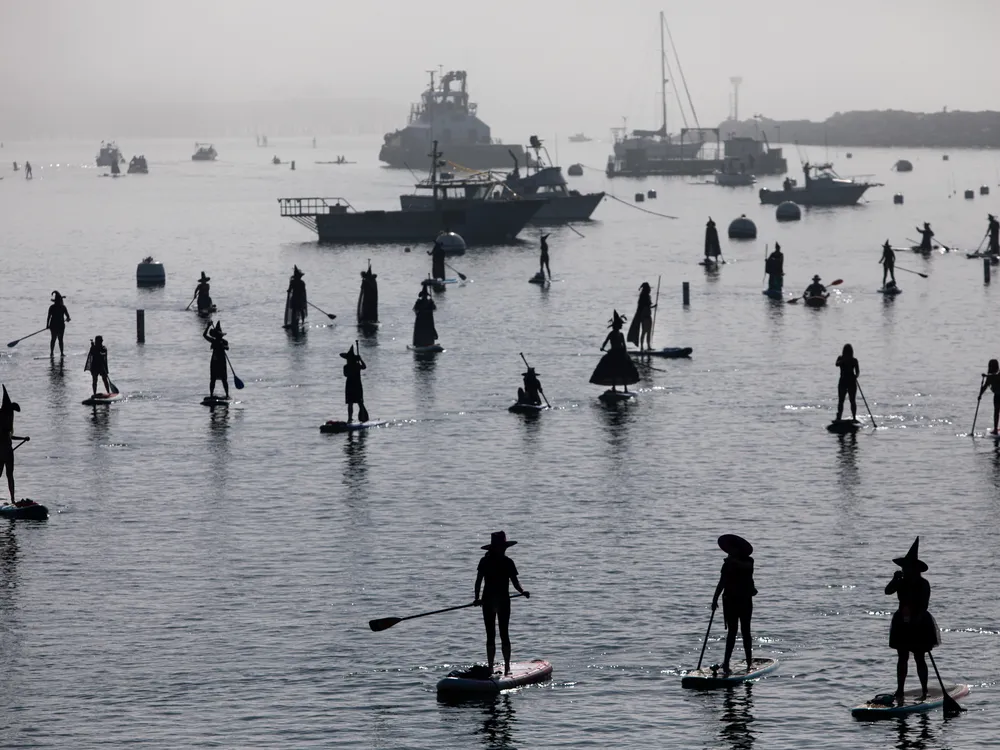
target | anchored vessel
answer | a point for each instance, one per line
(109, 154)
(823, 187)
(204, 152)
(448, 117)
(547, 182)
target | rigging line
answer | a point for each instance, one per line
(639, 208)
(681, 71)
(677, 93)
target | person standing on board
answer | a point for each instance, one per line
(217, 368)
(913, 629)
(497, 571)
(532, 390)
(925, 238)
(774, 267)
(737, 590)
(543, 262)
(202, 293)
(642, 322)
(848, 383)
(616, 367)
(991, 380)
(27, 170)
(712, 248)
(7, 436)
(888, 261)
(993, 231)
(354, 392)
(56, 322)
(368, 297)
(424, 333)
(437, 261)
(296, 303)
(97, 363)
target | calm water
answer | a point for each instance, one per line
(206, 579)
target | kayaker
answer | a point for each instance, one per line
(424, 333)
(217, 368)
(616, 367)
(642, 321)
(201, 293)
(354, 392)
(913, 629)
(497, 570)
(774, 267)
(437, 261)
(97, 363)
(296, 302)
(712, 248)
(848, 383)
(815, 289)
(925, 238)
(532, 390)
(7, 436)
(368, 297)
(993, 232)
(737, 589)
(544, 260)
(56, 322)
(991, 380)
(888, 261)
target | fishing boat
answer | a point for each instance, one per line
(545, 181)
(138, 165)
(579, 138)
(447, 116)
(734, 174)
(823, 187)
(109, 154)
(204, 152)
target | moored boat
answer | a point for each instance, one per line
(546, 181)
(138, 165)
(109, 154)
(823, 187)
(204, 152)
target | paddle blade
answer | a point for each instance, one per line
(835, 283)
(114, 388)
(15, 342)
(383, 623)
(237, 382)
(331, 316)
(952, 706)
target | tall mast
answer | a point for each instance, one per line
(663, 76)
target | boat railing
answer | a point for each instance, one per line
(305, 210)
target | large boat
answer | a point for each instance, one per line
(204, 152)
(755, 156)
(823, 187)
(470, 208)
(109, 154)
(540, 181)
(446, 116)
(579, 138)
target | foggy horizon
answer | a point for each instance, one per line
(122, 68)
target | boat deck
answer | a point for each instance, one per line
(305, 210)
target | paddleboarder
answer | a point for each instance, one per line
(913, 629)
(437, 261)
(544, 260)
(354, 392)
(992, 381)
(424, 333)
(56, 322)
(642, 321)
(774, 267)
(296, 302)
(925, 238)
(201, 292)
(993, 232)
(816, 289)
(97, 363)
(217, 368)
(368, 297)
(712, 247)
(888, 261)
(848, 383)
(497, 571)
(737, 589)
(532, 390)
(27, 170)
(7, 436)
(616, 367)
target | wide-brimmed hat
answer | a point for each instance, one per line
(8, 406)
(911, 560)
(56, 297)
(204, 277)
(617, 321)
(645, 285)
(816, 277)
(498, 540)
(297, 273)
(735, 545)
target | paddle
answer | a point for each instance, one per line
(921, 275)
(656, 305)
(866, 404)
(112, 386)
(331, 316)
(764, 277)
(979, 399)
(539, 390)
(793, 300)
(384, 623)
(15, 342)
(236, 381)
(191, 302)
(704, 644)
(23, 441)
(951, 707)
(461, 275)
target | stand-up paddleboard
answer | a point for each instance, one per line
(817, 300)
(433, 348)
(711, 263)
(477, 681)
(216, 401)
(890, 291)
(979, 254)
(102, 398)
(710, 678)
(519, 408)
(204, 312)
(883, 706)
(538, 278)
(669, 352)
(333, 426)
(614, 397)
(440, 284)
(844, 426)
(773, 294)
(25, 510)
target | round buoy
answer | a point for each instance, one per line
(898, 199)
(150, 273)
(743, 229)
(970, 194)
(850, 155)
(451, 243)
(406, 249)
(984, 189)
(639, 197)
(651, 194)
(903, 166)
(575, 170)
(787, 211)
(944, 157)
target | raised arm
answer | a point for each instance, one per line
(205, 335)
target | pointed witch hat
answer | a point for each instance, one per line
(617, 321)
(912, 560)
(56, 297)
(349, 354)
(204, 277)
(777, 247)
(297, 273)
(368, 274)
(8, 406)
(217, 330)
(645, 285)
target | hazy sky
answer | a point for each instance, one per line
(545, 65)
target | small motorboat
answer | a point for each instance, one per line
(205, 152)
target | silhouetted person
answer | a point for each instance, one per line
(97, 363)
(56, 322)
(16, 168)
(354, 392)
(913, 629)
(7, 436)
(815, 289)
(115, 169)
(616, 367)
(368, 297)
(437, 261)
(532, 390)
(848, 383)
(27, 170)
(888, 261)
(203, 293)
(787, 184)
(992, 381)
(712, 248)
(543, 262)
(993, 230)
(737, 589)
(296, 303)
(497, 571)
(424, 333)
(774, 267)
(642, 321)
(925, 238)
(217, 368)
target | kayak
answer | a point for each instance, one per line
(883, 705)
(426, 349)
(709, 678)
(215, 401)
(844, 426)
(891, 291)
(25, 510)
(817, 300)
(613, 397)
(102, 398)
(670, 352)
(773, 295)
(519, 408)
(475, 681)
(338, 426)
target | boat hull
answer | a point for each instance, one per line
(473, 156)
(559, 210)
(845, 195)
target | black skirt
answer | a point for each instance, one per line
(354, 393)
(615, 368)
(918, 635)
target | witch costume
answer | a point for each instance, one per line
(642, 321)
(296, 302)
(712, 248)
(202, 293)
(368, 297)
(913, 628)
(354, 392)
(615, 367)
(424, 333)
(217, 369)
